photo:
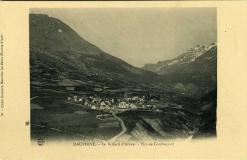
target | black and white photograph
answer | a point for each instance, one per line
(123, 74)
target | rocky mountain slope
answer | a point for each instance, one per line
(193, 72)
(188, 57)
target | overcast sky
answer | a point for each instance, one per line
(141, 36)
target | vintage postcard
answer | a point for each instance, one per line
(123, 80)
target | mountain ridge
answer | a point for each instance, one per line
(58, 46)
(194, 72)
(192, 54)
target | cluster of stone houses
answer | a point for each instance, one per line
(97, 103)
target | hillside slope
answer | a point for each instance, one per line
(59, 56)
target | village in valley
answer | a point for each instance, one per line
(78, 91)
(141, 103)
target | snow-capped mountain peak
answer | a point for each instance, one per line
(192, 54)
(187, 57)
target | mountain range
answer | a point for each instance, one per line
(192, 72)
(60, 57)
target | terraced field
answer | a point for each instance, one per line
(58, 120)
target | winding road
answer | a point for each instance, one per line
(124, 129)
